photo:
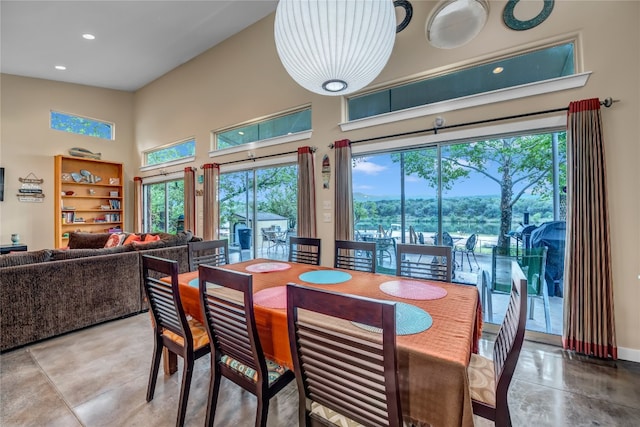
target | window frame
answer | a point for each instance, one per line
(576, 80)
(173, 162)
(261, 143)
(112, 126)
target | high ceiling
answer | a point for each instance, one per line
(135, 41)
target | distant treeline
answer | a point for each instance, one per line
(477, 214)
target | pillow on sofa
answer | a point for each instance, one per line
(23, 258)
(132, 238)
(80, 240)
(116, 239)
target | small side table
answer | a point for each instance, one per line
(6, 248)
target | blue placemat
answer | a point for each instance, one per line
(196, 284)
(409, 320)
(325, 277)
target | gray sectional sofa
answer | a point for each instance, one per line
(50, 292)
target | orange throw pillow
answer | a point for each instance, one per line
(132, 238)
(151, 238)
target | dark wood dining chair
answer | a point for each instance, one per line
(236, 352)
(424, 262)
(359, 256)
(171, 329)
(210, 252)
(342, 375)
(305, 250)
(489, 380)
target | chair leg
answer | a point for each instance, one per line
(476, 260)
(214, 390)
(469, 261)
(262, 411)
(184, 390)
(547, 314)
(155, 366)
(532, 306)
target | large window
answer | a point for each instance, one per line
(178, 151)
(282, 125)
(535, 66)
(164, 207)
(81, 125)
(258, 211)
(500, 191)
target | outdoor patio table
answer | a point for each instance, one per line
(433, 363)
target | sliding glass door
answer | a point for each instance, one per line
(164, 206)
(492, 201)
(258, 211)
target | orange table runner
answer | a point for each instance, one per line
(432, 363)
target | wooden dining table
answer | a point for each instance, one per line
(432, 364)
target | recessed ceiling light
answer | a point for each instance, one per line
(240, 133)
(88, 36)
(498, 70)
(61, 67)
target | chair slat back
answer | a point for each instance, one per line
(305, 250)
(229, 316)
(210, 252)
(163, 296)
(511, 334)
(424, 262)
(339, 369)
(360, 256)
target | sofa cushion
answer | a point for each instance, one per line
(80, 240)
(59, 254)
(23, 258)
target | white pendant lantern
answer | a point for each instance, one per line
(334, 47)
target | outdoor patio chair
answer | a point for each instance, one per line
(344, 378)
(305, 250)
(489, 380)
(468, 248)
(532, 262)
(171, 329)
(236, 351)
(424, 262)
(360, 256)
(210, 252)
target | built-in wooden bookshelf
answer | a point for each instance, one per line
(89, 197)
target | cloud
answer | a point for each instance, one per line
(412, 178)
(369, 168)
(363, 187)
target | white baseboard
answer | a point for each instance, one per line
(630, 354)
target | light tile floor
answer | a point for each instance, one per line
(98, 377)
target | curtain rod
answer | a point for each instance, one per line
(252, 156)
(608, 102)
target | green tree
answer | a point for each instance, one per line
(276, 187)
(518, 165)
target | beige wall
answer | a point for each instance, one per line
(27, 145)
(242, 79)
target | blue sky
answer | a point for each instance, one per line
(378, 175)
